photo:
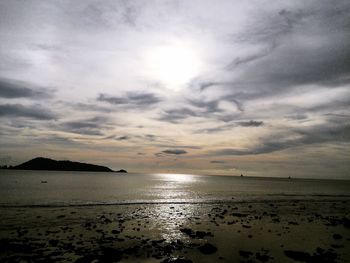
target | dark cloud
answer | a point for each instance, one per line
(201, 108)
(123, 138)
(318, 134)
(179, 146)
(206, 106)
(143, 98)
(338, 115)
(80, 124)
(333, 131)
(250, 123)
(88, 107)
(174, 151)
(205, 85)
(230, 126)
(196, 108)
(238, 103)
(267, 147)
(174, 116)
(341, 104)
(16, 89)
(58, 140)
(170, 152)
(297, 117)
(135, 99)
(150, 137)
(270, 28)
(218, 162)
(147, 137)
(109, 137)
(300, 47)
(92, 126)
(250, 58)
(214, 129)
(109, 15)
(33, 112)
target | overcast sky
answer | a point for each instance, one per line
(205, 87)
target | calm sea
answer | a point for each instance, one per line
(27, 188)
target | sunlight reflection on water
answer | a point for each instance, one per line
(179, 178)
(174, 187)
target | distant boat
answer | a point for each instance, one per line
(44, 182)
(289, 177)
(241, 175)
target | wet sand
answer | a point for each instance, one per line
(284, 231)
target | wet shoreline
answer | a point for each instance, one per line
(266, 231)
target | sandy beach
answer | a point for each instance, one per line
(283, 231)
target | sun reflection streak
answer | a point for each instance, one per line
(174, 188)
(180, 178)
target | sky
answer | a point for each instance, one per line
(260, 88)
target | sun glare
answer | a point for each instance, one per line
(177, 178)
(173, 65)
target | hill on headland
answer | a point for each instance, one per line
(41, 163)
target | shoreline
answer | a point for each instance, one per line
(265, 231)
(233, 201)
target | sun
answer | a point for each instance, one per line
(172, 65)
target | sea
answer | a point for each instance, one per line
(56, 188)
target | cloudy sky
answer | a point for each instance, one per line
(205, 87)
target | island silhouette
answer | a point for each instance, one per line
(41, 163)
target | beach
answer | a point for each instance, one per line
(285, 231)
(104, 217)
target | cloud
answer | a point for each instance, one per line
(318, 134)
(150, 137)
(264, 78)
(206, 106)
(230, 126)
(214, 129)
(92, 126)
(176, 115)
(134, 99)
(202, 108)
(58, 140)
(297, 47)
(11, 89)
(267, 147)
(33, 112)
(250, 123)
(204, 85)
(217, 162)
(87, 107)
(123, 138)
(250, 58)
(174, 151)
(193, 147)
(106, 16)
(297, 117)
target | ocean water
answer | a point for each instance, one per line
(26, 188)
